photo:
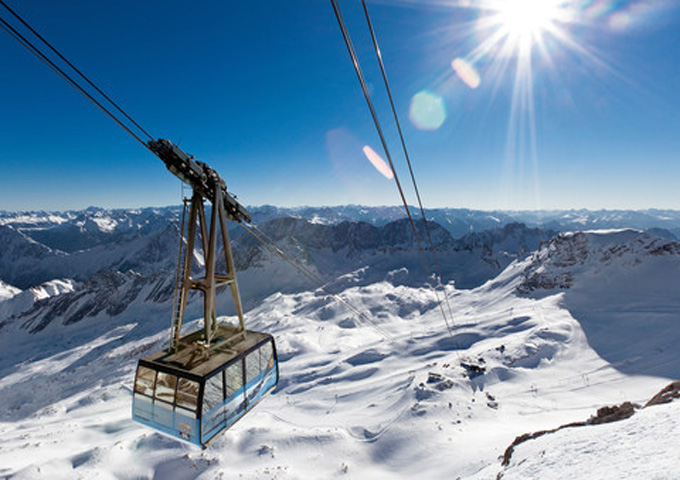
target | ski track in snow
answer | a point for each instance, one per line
(351, 404)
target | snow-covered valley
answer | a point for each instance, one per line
(545, 328)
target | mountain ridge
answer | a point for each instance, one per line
(73, 230)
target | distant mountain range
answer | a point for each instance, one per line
(76, 230)
(73, 265)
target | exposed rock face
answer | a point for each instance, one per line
(353, 236)
(110, 292)
(558, 262)
(670, 393)
(613, 413)
(355, 243)
(513, 237)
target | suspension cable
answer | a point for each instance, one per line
(405, 150)
(69, 79)
(369, 101)
(16, 15)
(75, 84)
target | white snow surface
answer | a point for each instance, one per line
(22, 300)
(7, 291)
(105, 224)
(355, 403)
(52, 288)
(32, 218)
(644, 446)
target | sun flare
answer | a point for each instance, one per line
(527, 19)
(515, 37)
(522, 54)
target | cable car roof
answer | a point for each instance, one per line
(194, 360)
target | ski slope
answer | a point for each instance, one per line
(415, 402)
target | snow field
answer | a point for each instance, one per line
(352, 403)
(349, 404)
(644, 446)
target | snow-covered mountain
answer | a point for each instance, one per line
(24, 262)
(610, 281)
(77, 230)
(556, 326)
(460, 221)
(7, 291)
(336, 250)
(84, 229)
(589, 253)
(109, 276)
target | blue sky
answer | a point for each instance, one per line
(264, 92)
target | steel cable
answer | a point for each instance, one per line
(268, 243)
(369, 101)
(38, 53)
(374, 115)
(406, 154)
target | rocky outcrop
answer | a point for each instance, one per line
(558, 263)
(670, 393)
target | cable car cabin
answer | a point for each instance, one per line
(198, 392)
(205, 381)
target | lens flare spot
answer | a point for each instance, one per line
(378, 162)
(598, 8)
(620, 21)
(427, 111)
(467, 72)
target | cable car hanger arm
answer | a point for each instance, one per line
(199, 176)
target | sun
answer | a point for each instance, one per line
(518, 41)
(515, 28)
(526, 20)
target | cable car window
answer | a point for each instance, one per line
(252, 365)
(266, 356)
(186, 413)
(187, 393)
(165, 387)
(234, 378)
(145, 381)
(213, 392)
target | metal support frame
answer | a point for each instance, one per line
(212, 280)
